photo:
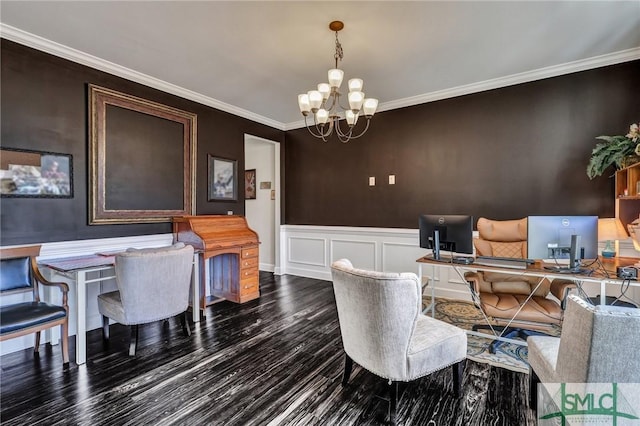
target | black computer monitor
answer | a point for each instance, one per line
(454, 233)
(563, 237)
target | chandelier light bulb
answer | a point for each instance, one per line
(315, 100)
(355, 85)
(370, 106)
(303, 103)
(352, 118)
(335, 77)
(355, 100)
(322, 116)
(324, 89)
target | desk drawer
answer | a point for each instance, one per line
(248, 272)
(248, 263)
(248, 252)
(249, 285)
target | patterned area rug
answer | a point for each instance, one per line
(464, 315)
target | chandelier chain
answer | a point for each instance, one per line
(339, 52)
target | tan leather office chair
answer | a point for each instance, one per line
(500, 295)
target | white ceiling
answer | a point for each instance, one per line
(253, 58)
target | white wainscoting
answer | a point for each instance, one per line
(310, 250)
(72, 249)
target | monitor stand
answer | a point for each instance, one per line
(436, 250)
(574, 260)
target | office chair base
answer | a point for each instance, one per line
(508, 333)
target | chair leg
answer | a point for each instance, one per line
(134, 340)
(393, 401)
(105, 328)
(348, 366)
(65, 343)
(534, 380)
(36, 348)
(458, 371)
(184, 322)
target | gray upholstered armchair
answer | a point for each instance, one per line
(153, 284)
(384, 331)
(598, 344)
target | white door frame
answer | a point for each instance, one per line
(276, 167)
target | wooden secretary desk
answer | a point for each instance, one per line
(229, 248)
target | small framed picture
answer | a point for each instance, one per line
(35, 174)
(265, 185)
(250, 184)
(222, 174)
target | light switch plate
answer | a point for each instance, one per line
(392, 179)
(372, 181)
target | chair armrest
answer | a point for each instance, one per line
(473, 278)
(64, 287)
(560, 288)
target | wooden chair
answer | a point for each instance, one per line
(19, 274)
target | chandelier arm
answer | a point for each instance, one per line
(340, 132)
(324, 135)
(362, 132)
(318, 135)
(335, 101)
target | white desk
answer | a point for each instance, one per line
(77, 269)
(604, 278)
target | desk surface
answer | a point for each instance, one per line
(605, 269)
(70, 264)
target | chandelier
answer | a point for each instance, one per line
(325, 106)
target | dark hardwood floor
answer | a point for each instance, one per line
(274, 361)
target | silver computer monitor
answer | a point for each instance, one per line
(568, 238)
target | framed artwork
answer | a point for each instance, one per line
(35, 174)
(250, 184)
(141, 159)
(265, 185)
(223, 175)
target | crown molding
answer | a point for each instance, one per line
(510, 80)
(62, 51)
(40, 43)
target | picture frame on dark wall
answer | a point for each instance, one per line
(222, 179)
(142, 158)
(35, 174)
(250, 184)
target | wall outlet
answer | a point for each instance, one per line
(230, 212)
(372, 181)
(392, 179)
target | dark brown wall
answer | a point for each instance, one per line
(506, 153)
(44, 107)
